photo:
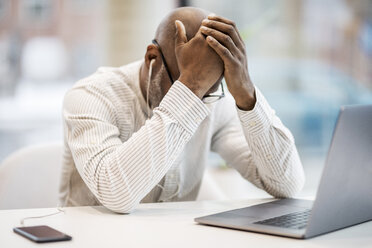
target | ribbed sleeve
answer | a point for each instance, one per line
(119, 173)
(273, 149)
(184, 106)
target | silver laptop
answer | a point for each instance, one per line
(344, 196)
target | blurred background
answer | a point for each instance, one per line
(308, 57)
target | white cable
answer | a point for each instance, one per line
(148, 88)
(60, 210)
(173, 195)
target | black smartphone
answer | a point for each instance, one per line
(41, 234)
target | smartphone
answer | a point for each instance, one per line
(41, 234)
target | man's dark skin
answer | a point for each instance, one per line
(199, 49)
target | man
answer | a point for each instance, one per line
(135, 134)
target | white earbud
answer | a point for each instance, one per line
(148, 88)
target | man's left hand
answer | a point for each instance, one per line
(224, 38)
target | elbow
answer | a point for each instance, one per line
(118, 198)
(288, 188)
(296, 181)
(292, 181)
(124, 206)
(291, 190)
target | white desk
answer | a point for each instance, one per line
(162, 225)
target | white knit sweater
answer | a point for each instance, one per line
(117, 157)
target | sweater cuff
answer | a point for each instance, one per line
(259, 119)
(184, 106)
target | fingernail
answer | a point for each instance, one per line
(212, 15)
(205, 21)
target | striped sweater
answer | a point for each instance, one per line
(117, 156)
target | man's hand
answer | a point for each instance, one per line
(200, 67)
(224, 38)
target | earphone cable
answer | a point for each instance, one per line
(60, 210)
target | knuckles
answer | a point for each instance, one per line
(227, 39)
(225, 52)
(230, 29)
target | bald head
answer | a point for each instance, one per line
(166, 32)
(154, 81)
(191, 17)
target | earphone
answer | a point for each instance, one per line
(148, 88)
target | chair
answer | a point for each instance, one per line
(29, 177)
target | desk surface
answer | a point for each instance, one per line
(162, 225)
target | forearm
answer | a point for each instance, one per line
(120, 173)
(277, 165)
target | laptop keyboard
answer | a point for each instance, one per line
(297, 220)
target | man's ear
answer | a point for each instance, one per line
(152, 53)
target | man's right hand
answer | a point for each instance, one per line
(200, 67)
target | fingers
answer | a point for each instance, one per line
(222, 39)
(221, 19)
(222, 51)
(181, 37)
(228, 29)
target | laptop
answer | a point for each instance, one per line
(344, 196)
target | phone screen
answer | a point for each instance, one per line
(41, 234)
